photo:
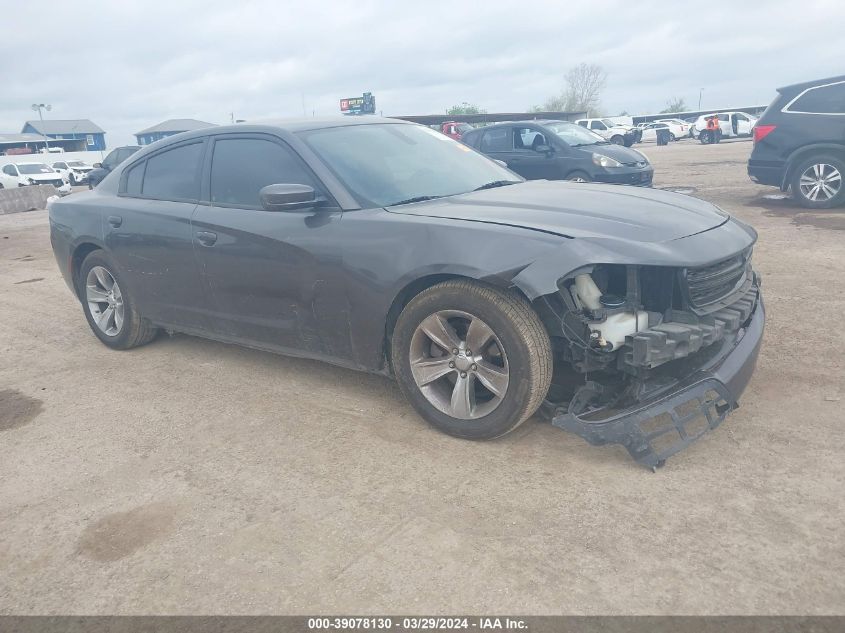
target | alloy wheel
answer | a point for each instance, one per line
(105, 301)
(459, 364)
(820, 182)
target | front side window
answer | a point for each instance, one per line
(174, 174)
(528, 138)
(59, 166)
(597, 125)
(497, 140)
(821, 100)
(241, 167)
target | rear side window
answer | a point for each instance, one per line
(174, 174)
(134, 177)
(497, 140)
(822, 100)
(240, 167)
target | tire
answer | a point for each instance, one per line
(578, 176)
(617, 139)
(516, 346)
(133, 330)
(672, 137)
(705, 137)
(818, 168)
(73, 182)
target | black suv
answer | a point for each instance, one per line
(799, 143)
(114, 158)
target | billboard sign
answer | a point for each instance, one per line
(365, 104)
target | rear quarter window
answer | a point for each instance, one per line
(828, 99)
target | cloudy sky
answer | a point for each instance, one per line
(128, 64)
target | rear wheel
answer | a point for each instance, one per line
(473, 360)
(817, 182)
(109, 307)
(672, 137)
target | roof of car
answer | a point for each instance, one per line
(315, 123)
(176, 125)
(809, 84)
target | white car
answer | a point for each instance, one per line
(732, 124)
(677, 127)
(614, 132)
(23, 174)
(649, 131)
(73, 171)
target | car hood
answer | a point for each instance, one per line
(52, 176)
(579, 210)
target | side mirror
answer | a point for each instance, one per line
(543, 149)
(287, 197)
(500, 163)
(97, 165)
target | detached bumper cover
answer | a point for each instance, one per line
(657, 429)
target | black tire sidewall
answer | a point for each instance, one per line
(507, 414)
(801, 167)
(578, 174)
(123, 340)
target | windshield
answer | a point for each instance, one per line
(386, 163)
(573, 134)
(35, 168)
(76, 163)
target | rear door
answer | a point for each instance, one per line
(275, 276)
(149, 233)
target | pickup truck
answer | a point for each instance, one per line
(616, 133)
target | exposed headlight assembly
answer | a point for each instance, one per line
(605, 161)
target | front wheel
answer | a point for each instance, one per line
(109, 307)
(617, 139)
(817, 182)
(672, 137)
(473, 360)
(579, 176)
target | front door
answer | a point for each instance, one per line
(526, 159)
(275, 276)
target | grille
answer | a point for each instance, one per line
(709, 284)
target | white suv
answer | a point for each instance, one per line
(732, 124)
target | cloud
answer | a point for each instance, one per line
(128, 65)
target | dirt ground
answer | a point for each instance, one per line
(190, 477)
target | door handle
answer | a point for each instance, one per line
(115, 220)
(206, 238)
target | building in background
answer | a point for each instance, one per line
(13, 144)
(79, 135)
(169, 128)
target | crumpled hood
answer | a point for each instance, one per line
(580, 210)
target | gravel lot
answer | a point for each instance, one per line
(193, 477)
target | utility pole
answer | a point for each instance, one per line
(699, 98)
(39, 107)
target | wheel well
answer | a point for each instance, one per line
(412, 290)
(805, 152)
(82, 251)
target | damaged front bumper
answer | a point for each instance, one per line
(655, 429)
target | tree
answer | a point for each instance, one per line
(675, 104)
(583, 85)
(465, 108)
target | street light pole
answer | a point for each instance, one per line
(699, 98)
(38, 107)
